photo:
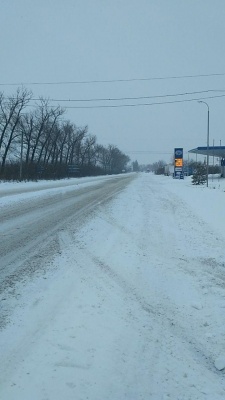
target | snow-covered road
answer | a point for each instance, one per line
(131, 306)
(31, 220)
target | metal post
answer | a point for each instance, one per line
(207, 166)
(188, 165)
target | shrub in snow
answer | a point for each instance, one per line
(199, 175)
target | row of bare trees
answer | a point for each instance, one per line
(37, 138)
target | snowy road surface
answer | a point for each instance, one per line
(129, 304)
(33, 221)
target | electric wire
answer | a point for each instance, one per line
(113, 80)
(143, 104)
(132, 98)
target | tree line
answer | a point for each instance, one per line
(38, 142)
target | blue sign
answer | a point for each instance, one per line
(178, 152)
(178, 163)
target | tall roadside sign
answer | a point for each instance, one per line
(178, 163)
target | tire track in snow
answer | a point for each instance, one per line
(172, 340)
(168, 317)
(165, 317)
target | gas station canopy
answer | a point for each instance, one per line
(216, 151)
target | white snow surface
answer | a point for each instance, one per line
(131, 307)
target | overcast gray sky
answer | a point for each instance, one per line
(130, 43)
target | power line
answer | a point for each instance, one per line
(113, 80)
(133, 98)
(126, 98)
(143, 104)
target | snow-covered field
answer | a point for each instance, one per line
(131, 307)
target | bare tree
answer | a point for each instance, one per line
(26, 126)
(103, 157)
(10, 115)
(75, 145)
(51, 132)
(111, 159)
(117, 160)
(87, 150)
(44, 140)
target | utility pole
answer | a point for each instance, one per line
(207, 164)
